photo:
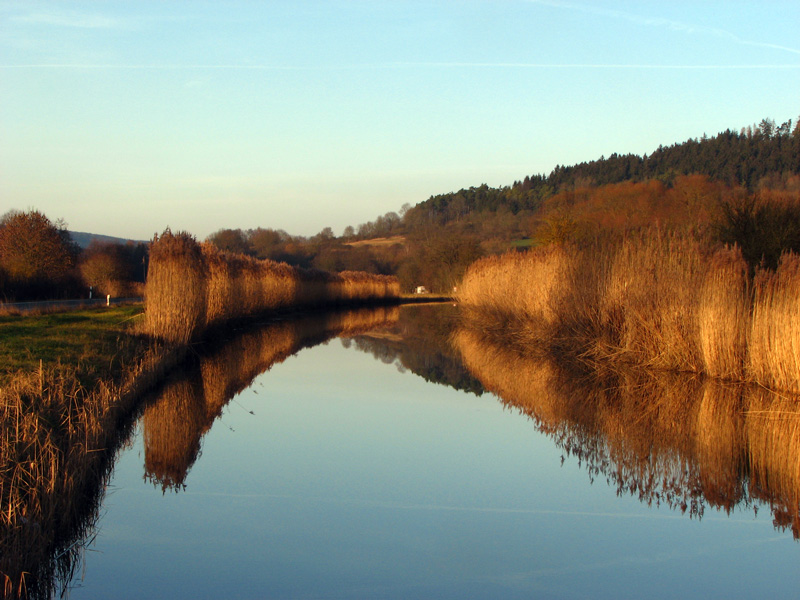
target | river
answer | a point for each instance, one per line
(356, 457)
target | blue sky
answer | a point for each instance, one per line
(124, 118)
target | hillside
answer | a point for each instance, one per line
(727, 186)
(84, 239)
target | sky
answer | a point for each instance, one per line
(125, 118)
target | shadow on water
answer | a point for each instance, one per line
(672, 439)
(175, 417)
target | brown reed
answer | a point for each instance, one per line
(774, 349)
(56, 450)
(193, 287)
(660, 300)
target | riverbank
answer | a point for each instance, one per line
(73, 384)
(60, 436)
(661, 301)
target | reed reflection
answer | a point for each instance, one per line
(191, 401)
(687, 442)
(419, 342)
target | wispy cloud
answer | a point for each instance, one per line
(72, 19)
(683, 27)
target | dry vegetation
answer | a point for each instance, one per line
(380, 241)
(192, 287)
(57, 445)
(684, 441)
(665, 301)
(59, 439)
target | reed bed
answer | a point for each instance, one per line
(682, 440)
(660, 300)
(192, 287)
(57, 446)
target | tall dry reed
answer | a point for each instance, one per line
(659, 300)
(57, 444)
(774, 351)
(193, 287)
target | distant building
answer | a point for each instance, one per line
(421, 289)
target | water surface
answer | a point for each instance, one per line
(355, 469)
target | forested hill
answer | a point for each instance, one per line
(743, 158)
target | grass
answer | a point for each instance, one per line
(523, 243)
(96, 339)
(380, 242)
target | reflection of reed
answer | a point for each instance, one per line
(186, 409)
(170, 425)
(684, 441)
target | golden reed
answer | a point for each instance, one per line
(192, 287)
(682, 440)
(57, 446)
(659, 300)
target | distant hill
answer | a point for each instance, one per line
(83, 239)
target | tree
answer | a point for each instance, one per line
(230, 240)
(107, 268)
(34, 253)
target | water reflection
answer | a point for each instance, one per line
(419, 341)
(192, 400)
(669, 439)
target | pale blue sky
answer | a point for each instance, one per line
(124, 118)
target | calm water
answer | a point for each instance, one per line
(346, 471)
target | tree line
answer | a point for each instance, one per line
(39, 261)
(737, 187)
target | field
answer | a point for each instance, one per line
(97, 339)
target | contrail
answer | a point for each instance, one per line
(398, 65)
(687, 28)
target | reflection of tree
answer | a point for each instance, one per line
(420, 342)
(673, 439)
(191, 401)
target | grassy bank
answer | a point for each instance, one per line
(192, 288)
(97, 340)
(657, 300)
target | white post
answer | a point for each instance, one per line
(108, 300)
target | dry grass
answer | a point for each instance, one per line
(57, 444)
(193, 287)
(380, 242)
(658, 300)
(774, 349)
